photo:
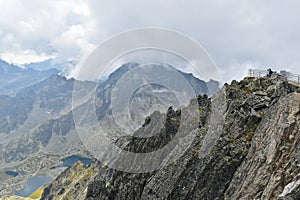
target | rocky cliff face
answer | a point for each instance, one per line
(272, 161)
(246, 146)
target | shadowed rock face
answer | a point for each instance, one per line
(246, 146)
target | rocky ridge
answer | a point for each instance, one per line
(246, 146)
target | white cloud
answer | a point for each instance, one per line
(35, 26)
(81, 9)
(22, 57)
(72, 43)
(235, 33)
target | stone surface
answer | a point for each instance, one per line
(246, 146)
(72, 183)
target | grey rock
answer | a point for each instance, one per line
(246, 146)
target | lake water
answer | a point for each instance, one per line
(12, 173)
(32, 184)
(71, 160)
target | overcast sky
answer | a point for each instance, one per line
(236, 34)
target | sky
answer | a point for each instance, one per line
(237, 35)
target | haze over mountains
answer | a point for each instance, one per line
(51, 64)
(37, 127)
(13, 78)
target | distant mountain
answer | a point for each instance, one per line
(63, 67)
(104, 91)
(13, 78)
(213, 87)
(43, 124)
(36, 104)
(13, 112)
(51, 99)
(37, 126)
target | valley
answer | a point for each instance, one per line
(37, 130)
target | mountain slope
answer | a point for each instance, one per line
(13, 78)
(47, 131)
(144, 97)
(246, 146)
(33, 129)
(53, 96)
(37, 104)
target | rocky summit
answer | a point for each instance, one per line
(245, 146)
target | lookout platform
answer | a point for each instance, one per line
(263, 73)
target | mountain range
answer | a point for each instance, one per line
(37, 123)
(237, 142)
(14, 78)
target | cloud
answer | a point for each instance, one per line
(236, 34)
(37, 27)
(72, 42)
(26, 56)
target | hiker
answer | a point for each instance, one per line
(270, 72)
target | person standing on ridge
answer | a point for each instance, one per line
(270, 72)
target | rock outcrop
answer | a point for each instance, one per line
(245, 146)
(72, 183)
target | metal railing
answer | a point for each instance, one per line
(263, 73)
